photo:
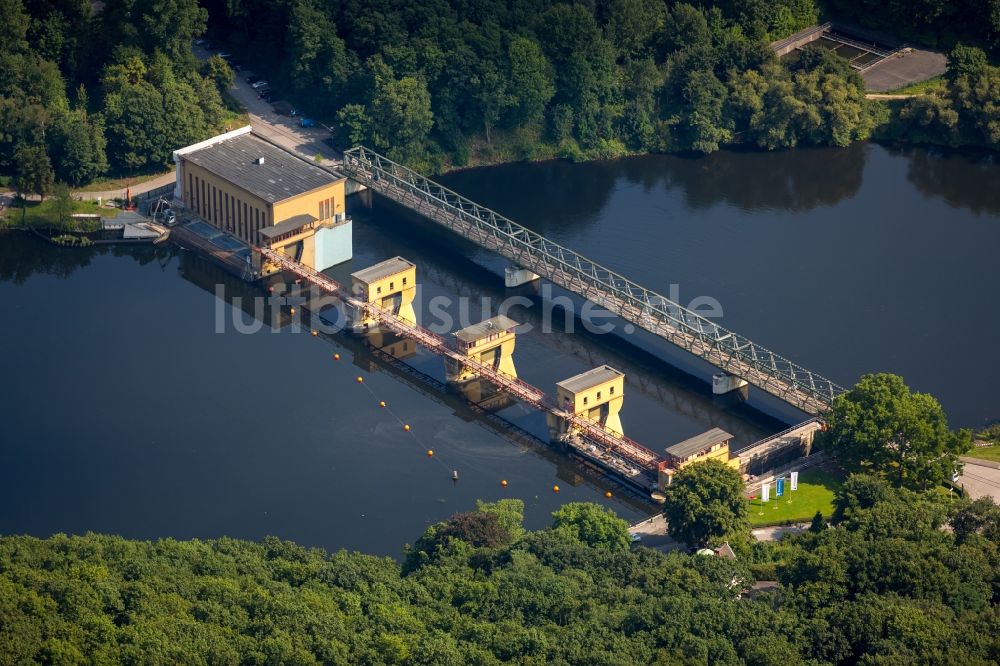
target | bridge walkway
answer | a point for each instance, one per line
(729, 351)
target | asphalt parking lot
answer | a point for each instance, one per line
(282, 130)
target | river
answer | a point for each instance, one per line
(127, 411)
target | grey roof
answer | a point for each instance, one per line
(285, 226)
(280, 177)
(698, 443)
(591, 378)
(383, 269)
(486, 328)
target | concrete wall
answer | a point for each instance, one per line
(334, 245)
(799, 39)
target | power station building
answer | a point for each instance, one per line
(266, 196)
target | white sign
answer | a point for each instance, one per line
(795, 480)
(765, 492)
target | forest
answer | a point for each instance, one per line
(449, 83)
(884, 585)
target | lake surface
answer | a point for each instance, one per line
(126, 411)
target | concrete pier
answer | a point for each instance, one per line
(723, 383)
(515, 276)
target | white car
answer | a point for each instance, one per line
(259, 84)
(636, 537)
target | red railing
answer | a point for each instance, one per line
(619, 444)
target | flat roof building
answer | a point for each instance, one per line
(266, 196)
(712, 444)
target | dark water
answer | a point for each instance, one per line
(125, 411)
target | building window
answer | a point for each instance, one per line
(404, 280)
(215, 205)
(378, 290)
(612, 391)
(585, 400)
(190, 191)
(392, 285)
(598, 395)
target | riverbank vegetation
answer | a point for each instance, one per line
(92, 90)
(450, 84)
(886, 584)
(95, 89)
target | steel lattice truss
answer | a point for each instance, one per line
(648, 309)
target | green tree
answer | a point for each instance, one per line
(219, 71)
(402, 116)
(592, 524)
(880, 425)
(32, 171)
(531, 80)
(705, 504)
(62, 204)
(79, 148)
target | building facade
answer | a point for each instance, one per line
(266, 196)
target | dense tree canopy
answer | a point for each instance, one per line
(449, 82)
(138, 93)
(885, 585)
(879, 425)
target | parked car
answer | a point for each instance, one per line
(263, 93)
(224, 55)
(259, 83)
(307, 122)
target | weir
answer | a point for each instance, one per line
(732, 353)
(633, 462)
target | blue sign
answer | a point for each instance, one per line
(779, 487)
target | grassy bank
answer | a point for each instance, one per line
(45, 214)
(815, 493)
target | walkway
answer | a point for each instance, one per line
(645, 308)
(629, 459)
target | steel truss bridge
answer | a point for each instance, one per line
(725, 349)
(640, 464)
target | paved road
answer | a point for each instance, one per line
(980, 481)
(284, 131)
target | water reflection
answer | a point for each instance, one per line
(23, 255)
(963, 179)
(557, 195)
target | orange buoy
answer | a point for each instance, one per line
(382, 404)
(503, 483)
(555, 489)
(336, 357)
(315, 333)
(361, 379)
(608, 494)
(406, 428)
(430, 452)
(293, 310)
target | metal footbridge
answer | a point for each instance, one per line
(725, 349)
(645, 461)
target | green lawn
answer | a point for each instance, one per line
(815, 493)
(986, 453)
(934, 85)
(43, 214)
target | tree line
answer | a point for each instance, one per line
(448, 83)
(88, 90)
(885, 584)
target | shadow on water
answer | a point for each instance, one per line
(553, 195)
(963, 179)
(650, 374)
(368, 358)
